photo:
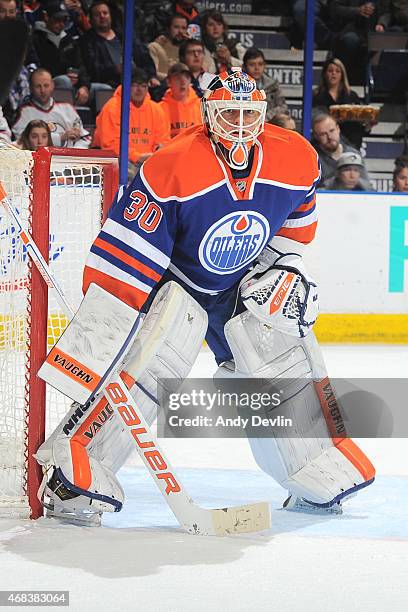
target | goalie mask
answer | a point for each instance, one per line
(234, 112)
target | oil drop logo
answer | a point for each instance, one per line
(232, 242)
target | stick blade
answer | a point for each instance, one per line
(241, 519)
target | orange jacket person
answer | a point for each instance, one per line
(180, 103)
(148, 127)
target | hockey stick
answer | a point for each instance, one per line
(193, 518)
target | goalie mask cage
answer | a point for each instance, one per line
(62, 196)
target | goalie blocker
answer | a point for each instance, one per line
(94, 343)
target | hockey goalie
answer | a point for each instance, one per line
(206, 242)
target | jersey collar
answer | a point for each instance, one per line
(242, 188)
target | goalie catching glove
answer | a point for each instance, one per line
(279, 291)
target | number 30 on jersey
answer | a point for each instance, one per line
(147, 214)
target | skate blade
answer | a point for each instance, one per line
(299, 505)
(93, 519)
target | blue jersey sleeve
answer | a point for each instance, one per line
(134, 246)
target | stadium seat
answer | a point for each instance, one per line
(101, 97)
(387, 68)
(85, 113)
(64, 95)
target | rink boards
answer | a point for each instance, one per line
(358, 259)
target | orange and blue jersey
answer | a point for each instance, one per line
(186, 212)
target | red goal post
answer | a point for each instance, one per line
(63, 196)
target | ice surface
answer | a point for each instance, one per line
(140, 559)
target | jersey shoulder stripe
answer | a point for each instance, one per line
(300, 234)
(298, 214)
(136, 242)
(307, 205)
(289, 159)
(185, 167)
(188, 166)
(125, 251)
(124, 262)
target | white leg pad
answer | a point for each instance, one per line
(302, 459)
(166, 348)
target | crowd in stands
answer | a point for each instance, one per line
(342, 26)
(75, 47)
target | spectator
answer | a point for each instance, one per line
(8, 9)
(254, 64)
(221, 52)
(36, 134)
(5, 132)
(101, 50)
(32, 11)
(352, 20)
(20, 89)
(78, 22)
(188, 9)
(330, 145)
(323, 36)
(394, 16)
(192, 54)
(59, 53)
(283, 121)
(148, 128)
(157, 14)
(49, 32)
(348, 175)
(62, 119)
(400, 175)
(180, 104)
(164, 51)
(334, 88)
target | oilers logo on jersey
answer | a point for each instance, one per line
(185, 212)
(233, 242)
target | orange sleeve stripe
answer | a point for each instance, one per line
(127, 259)
(130, 295)
(301, 234)
(307, 206)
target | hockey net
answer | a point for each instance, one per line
(62, 196)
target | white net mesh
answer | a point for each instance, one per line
(76, 191)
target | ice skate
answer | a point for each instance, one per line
(297, 504)
(67, 506)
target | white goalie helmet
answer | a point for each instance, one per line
(234, 111)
